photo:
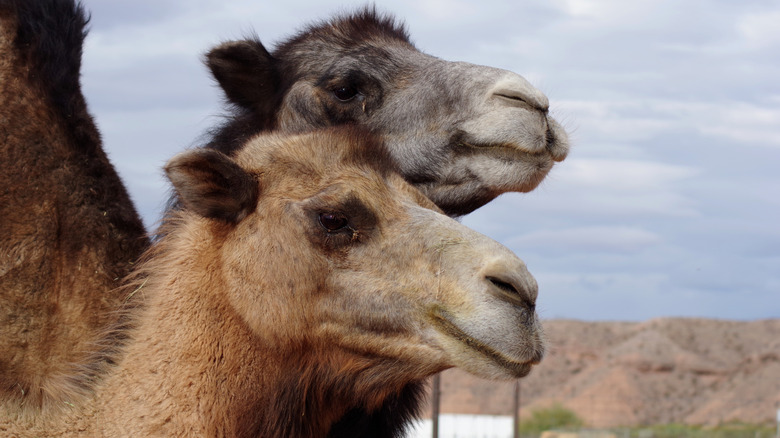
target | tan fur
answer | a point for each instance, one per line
(272, 325)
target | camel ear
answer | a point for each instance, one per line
(212, 185)
(246, 72)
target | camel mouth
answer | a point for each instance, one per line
(510, 149)
(443, 321)
(549, 145)
(531, 167)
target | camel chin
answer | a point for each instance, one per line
(496, 333)
(483, 351)
(481, 313)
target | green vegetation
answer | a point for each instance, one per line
(560, 419)
(556, 417)
(730, 430)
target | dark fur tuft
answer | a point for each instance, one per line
(50, 36)
(366, 24)
(389, 421)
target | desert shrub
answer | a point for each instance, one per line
(729, 430)
(553, 417)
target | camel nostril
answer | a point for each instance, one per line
(515, 99)
(512, 293)
(522, 101)
(503, 285)
(550, 135)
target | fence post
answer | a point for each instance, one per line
(435, 402)
(516, 433)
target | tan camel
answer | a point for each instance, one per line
(68, 230)
(462, 133)
(303, 282)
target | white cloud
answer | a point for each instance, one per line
(447, 10)
(640, 296)
(615, 12)
(760, 30)
(123, 47)
(611, 239)
(615, 188)
(196, 27)
(624, 176)
(749, 123)
(624, 120)
(610, 295)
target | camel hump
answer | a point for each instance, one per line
(49, 38)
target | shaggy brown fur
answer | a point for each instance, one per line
(308, 304)
(68, 230)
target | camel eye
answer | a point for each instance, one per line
(345, 93)
(333, 221)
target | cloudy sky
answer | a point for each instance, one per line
(669, 204)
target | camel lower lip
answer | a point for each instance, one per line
(512, 148)
(512, 153)
(443, 321)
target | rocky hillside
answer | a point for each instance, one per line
(695, 371)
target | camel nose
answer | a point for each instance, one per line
(515, 90)
(513, 284)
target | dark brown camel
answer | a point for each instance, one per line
(302, 281)
(462, 133)
(68, 230)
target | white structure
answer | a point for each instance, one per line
(465, 426)
(777, 435)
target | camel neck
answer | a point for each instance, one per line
(199, 370)
(195, 367)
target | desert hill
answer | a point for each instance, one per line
(682, 370)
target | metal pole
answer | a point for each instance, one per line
(516, 433)
(435, 402)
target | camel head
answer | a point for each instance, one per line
(461, 133)
(330, 257)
